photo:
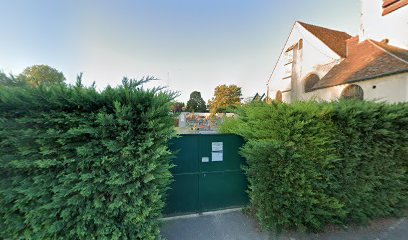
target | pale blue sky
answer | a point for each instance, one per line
(198, 43)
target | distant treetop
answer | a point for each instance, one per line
(42, 74)
(225, 97)
(196, 103)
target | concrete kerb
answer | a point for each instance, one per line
(200, 214)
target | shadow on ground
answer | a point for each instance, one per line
(234, 225)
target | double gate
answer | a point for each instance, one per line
(207, 174)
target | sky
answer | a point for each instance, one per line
(189, 45)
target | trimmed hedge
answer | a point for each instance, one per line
(312, 164)
(81, 164)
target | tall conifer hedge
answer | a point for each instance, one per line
(76, 163)
(312, 164)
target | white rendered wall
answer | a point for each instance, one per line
(286, 97)
(390, 89)
(315, 54)
(393, 26)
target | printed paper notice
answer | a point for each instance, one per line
(217, 147)
(217, 157)
(205, 159)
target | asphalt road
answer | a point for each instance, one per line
(234, 225)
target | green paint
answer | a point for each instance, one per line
(205, 186)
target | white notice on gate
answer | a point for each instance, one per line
(217, 157)
(217, 147)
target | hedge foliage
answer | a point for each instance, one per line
(81, 164)
(312, 164)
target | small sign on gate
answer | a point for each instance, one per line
(217, 151)
(217, 146)
(217, 157)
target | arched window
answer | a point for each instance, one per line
(352, 92)
(278, 96)
(310, 81)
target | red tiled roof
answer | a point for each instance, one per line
(335, 40)
(366, 60)
(399, 52)
(390, 6)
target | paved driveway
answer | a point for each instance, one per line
(233, 225)
(223, 225)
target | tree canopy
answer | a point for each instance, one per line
(196, 103)
(42, 74)
(177, 107)
(225, 97)
(10, 80)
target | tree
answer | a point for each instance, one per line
(177, 107)
(196, 103)
(225, 97)
(42, 74)
(10, 80)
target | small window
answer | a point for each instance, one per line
(353, 92)
(278, 96)
(288, 56)
(288, 62)
(310, 81)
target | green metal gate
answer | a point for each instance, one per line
(207, 175)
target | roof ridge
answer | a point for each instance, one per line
(335, 40)
(386, 51)
(303, 23)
